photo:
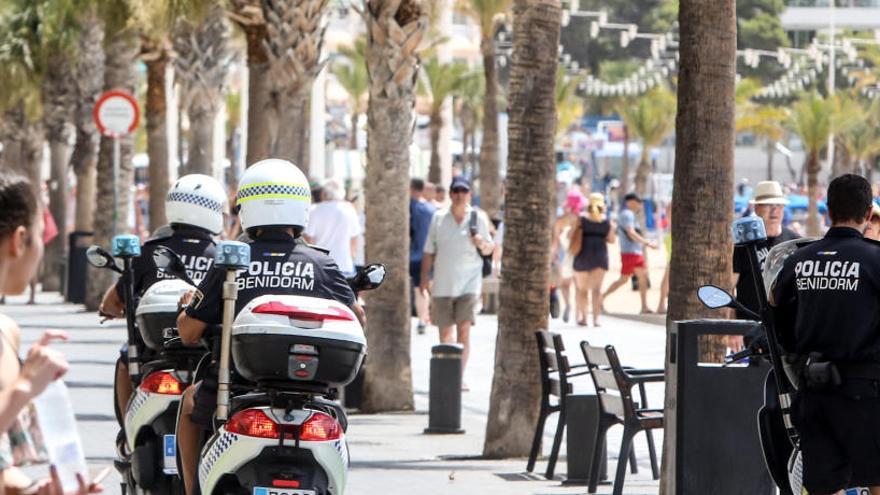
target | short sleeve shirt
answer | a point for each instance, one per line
(194, 246)
(332, 224)
(279, 265)
(625, 221)
(458, 268)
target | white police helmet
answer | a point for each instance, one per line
(273, 192)
(197, 200)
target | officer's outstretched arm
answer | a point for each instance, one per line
(111, 304)
(190, 329)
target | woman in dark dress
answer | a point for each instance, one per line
(591, 262)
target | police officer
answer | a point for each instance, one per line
(274, 201)
(826, 303)
(195, 207)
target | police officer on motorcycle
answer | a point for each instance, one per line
(826, 303)
(274, 200)
(195, 208)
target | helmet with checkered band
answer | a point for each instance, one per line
(197, 200)
(273, 193)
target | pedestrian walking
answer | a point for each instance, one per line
(768, 203)
(632, 245)
(563, 263)
(454, 251)
(421, 212)
(334, 226)
(589, 246)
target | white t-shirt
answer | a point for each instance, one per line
(332, 224)
(458, 269)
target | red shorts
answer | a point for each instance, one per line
(630, 262)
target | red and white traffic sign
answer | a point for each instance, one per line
(116, 113)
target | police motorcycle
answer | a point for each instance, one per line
(277, 428)
(146, 446)
(779, 439)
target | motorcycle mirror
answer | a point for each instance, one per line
(368, 277)
(714, 297)
(169, 262)
(99, 258)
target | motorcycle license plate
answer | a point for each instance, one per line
(169, 454)
(265, 490)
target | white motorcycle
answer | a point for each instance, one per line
(277, 429)
(146, 445)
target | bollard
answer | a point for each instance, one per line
(77, 267)
(444, 408)
(581, 426)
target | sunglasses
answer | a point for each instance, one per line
(460, 190)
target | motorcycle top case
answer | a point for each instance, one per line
(157, 311)
(298, 339)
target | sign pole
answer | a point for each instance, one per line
(116, 153)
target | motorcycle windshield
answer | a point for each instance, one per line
(777, 256)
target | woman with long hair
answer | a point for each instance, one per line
(590, 248)
(21, 248)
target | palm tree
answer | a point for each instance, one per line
(295, 31)
(470, 113)
(569, 106)
(811, 118)
(763, 121)
(119, 72)
(487, 15)
(248, 16)
(440, 81)
(862, 140)
(202, 45)
(352, 76)
(649, 118)
(704, 133)
(524, 306)
(88, 81)
(395, 29)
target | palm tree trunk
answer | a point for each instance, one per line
(84, 161)
(353, 137)
(524, 305)
(771, 146)
(202, 115)
(434, 126)
(643, 171)
(56, 249)
(705, 133)
(120, 72)
(13, 125)
(490, 179)
(465, 152)
(388, 380)
(813, 166)
(291, 142)
(32, 155)
(157, 138)
(259, 137)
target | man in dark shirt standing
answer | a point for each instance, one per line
(830, 290)
(421, 212)
(769, 204)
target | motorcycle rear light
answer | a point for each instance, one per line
(296, 313)
(162, 382)
(320, 427)
(285, 483)
(252, 423)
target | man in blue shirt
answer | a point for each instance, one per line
(420, 214)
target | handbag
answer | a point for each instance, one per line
(487, 259)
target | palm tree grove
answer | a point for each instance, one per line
(485, 247)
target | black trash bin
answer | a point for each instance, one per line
(717, 448)
(78, 243)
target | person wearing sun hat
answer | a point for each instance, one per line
(768, 202)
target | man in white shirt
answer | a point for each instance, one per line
(333, 225)
(456, 239)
